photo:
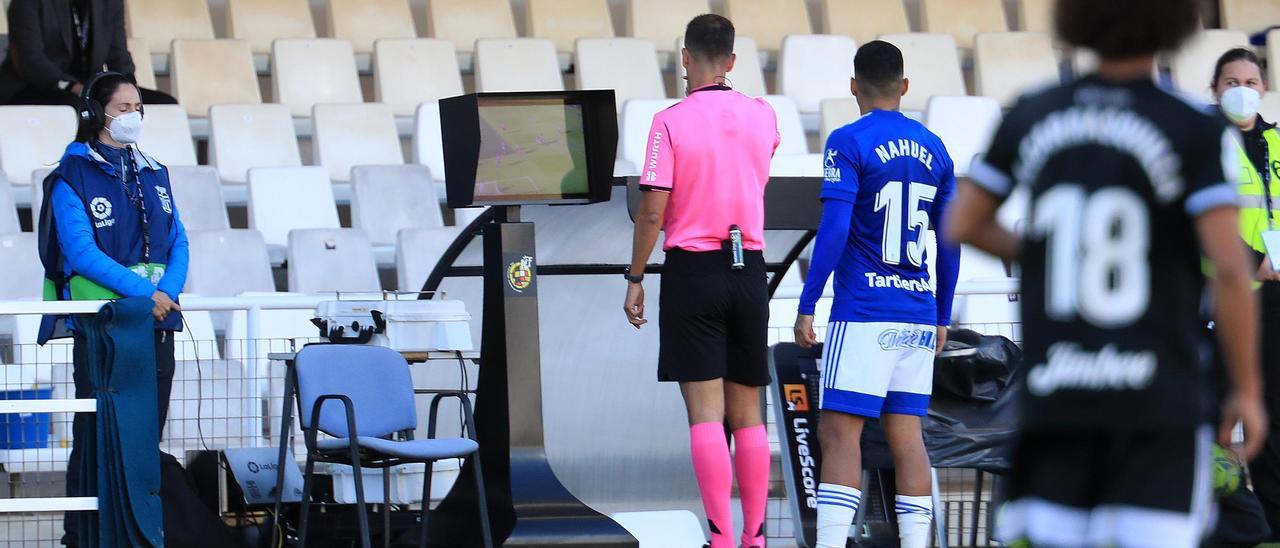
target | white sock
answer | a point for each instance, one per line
(914, 517)
(837, 505)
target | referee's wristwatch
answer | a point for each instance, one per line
(633, 279)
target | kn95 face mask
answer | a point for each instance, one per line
(126, 128)
(1240, 103)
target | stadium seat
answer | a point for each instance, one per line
(428, 145)
(463, 22)
(1084, 61)
(790, 129)
(1192, 66)
(143, 69)
(629, 66)
(747, 75)
(864, 20)
(203, 73)
(407, 72)
(565, 21)
(364, 22)
(226, 263)
(663, 21)
(349, 135)
(261, 22)
(965, 125)
(1273, 57)
(22, 277)
(1035, 16)
(248, 136)
(633, 132)
(1249, 16)
(198, 193)
(37, 183)
(836, 113)
(519, 64)
(418, 249)
(385, 199)
(160, 22)
(768, 21)
(8, 210)
(285, 198)
(813, 67)
(45, 132)
(1270, 106)
(308, 72)
(167, 136)
(963, 19)
(4, 21)
(932, 63)
(1007, 64)
(327, 260)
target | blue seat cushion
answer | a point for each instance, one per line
(443, 448)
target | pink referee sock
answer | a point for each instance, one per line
(714, 471)
(751, 462)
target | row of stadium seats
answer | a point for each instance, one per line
(462, 22)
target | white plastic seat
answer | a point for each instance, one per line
(629, 66)
(262, 22)
(407, 72)
(4, 21)
(22, 277)
(327, 260)
(963, 19)
(768, 21)
(37, 184)
(386, 199)
(428, 145)
(248, 136)
(463, 22)
(203, 73)
(932, 63)
(836, 113)
(8, 210)
(662, 21)
(226, 263)
(160, 22)
(1269, 108)
(1035, 16)
(633, 132)
(418, 250)
(364, 22)
(308, 72)
(144, 70)
(519, 64)
(747, 75)
(565, 21)
(167, 136)
(198, 193)
(790, 129)
(1008, 64)
(286, 198)
(965, 125)
(44, 133)
(864, 20)
(1250, 16)
(1192, 66)
(349, 135)
(1273, 57)
(813, 67)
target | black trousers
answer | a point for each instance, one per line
(42, 96)
(82, 427)
(1265, 469)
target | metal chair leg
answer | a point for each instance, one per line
(386, 507)
(484, 504)
(426, 502)
(305, 509)
(860, 515)
(362, 515)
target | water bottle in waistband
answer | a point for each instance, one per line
(735, 247)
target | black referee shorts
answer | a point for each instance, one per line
(713, 321)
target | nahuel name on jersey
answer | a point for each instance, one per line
(896, 281)
(1070, 367)
(904, 147)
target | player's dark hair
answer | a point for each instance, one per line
(709, 37)
(1116, 29)
(878, 68)
(1231, 56)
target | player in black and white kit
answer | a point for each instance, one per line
(1129, 187)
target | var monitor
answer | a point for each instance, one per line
(525, 148)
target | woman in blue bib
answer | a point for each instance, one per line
(110, 229)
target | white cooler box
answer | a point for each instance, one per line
(406, 482)
(402, 325)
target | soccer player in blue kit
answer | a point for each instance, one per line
(887, 180)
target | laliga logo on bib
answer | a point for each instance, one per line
(100, 207)
(830, 171)
(165, 202)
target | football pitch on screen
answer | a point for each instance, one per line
(531, 151)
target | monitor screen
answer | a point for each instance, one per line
(531, 150)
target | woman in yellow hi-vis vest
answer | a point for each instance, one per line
(1238, 85)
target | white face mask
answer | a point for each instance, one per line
(1240, 103)
(127, 128)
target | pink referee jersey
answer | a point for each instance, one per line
(711, 151)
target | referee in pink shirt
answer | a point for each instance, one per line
(703, 180)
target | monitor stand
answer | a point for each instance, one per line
(528, 505)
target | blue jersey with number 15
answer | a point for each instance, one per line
(898, 177)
